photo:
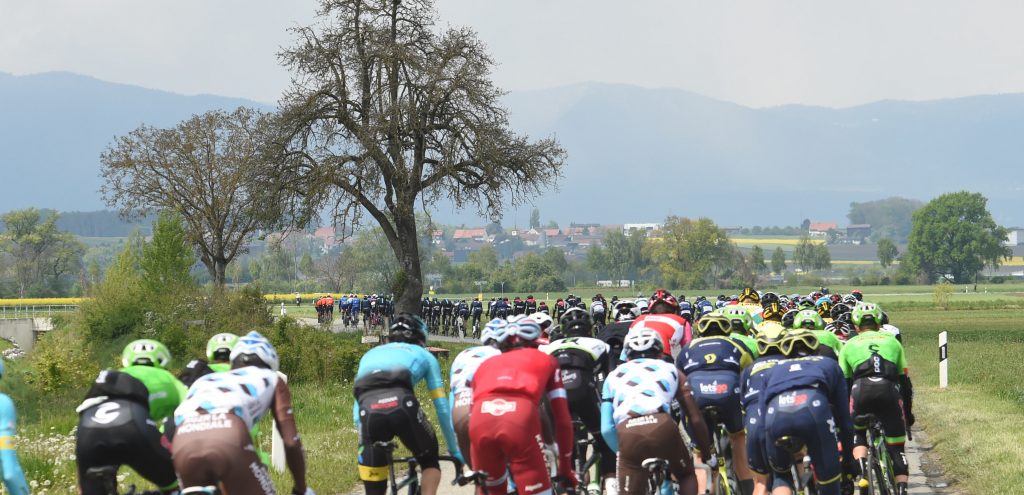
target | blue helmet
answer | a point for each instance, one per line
(495, 330)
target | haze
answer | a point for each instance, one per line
(754, 53)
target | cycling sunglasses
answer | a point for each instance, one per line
(809, 340)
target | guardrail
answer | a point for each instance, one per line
(35, 310)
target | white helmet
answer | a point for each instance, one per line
(496, 329)
(642, 340)
(523, 327)
(543, 320)
(254, 349)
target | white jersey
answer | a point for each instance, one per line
(245, 392)
(465, 364)
(595, 347)
(641, 387)
(891, 330)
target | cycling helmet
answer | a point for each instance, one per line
(643, 342)
(809, 320)
(749, 295)
(523, 328)
(824, 307)
(885, 318)
(788, 317)
(146, 352)
(494, 332)
(254, 349)
(770, 297)
(849, 300)
(218, 348)
(773, 312)
(714, 324)
(768, 337)
(740, 318)
(408, 327)
(577, 323)
(835, 298)
(839, 310)
(798, 342)
(806, 303)
(840, 328)
(663, 296)
(824, 291)
(543, 320)
(865, 314)
(686, 311)
(626, 311)
(857, 294)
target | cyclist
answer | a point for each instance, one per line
(712, 364)
(386, 405)
(543, 308)
(531, 305)
(213, 444)
(10, 468)
(118, 419)
(218, 351)
(584, 362)
(560, 307)
(518, 306)
(614, 334)
(742, 327)
(805, 398)
(890, 328)
(447, 314)
(829, 346)
(597, 310)
(463, 367)
(663, 317)
(355, 305)
(881, 386)
(435, 315)
(344, 303)
(636, 421)
(545, 322)
(476, 308)
(505, 425)
(501, 308)
(752, 383)
(425, 307)
(773, 312)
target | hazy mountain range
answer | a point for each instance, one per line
(635, 154)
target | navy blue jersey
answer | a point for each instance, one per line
(713, 354)
(816, 372)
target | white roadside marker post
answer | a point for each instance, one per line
(943, 360)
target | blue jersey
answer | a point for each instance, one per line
(354, 303)
(343, 303)
(14, 478)
(713, 354)
(754, 380)
(421, 365)
(815, 372)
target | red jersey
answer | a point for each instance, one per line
(524, 372)
(673, 329)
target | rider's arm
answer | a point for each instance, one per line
(906, 387)
(14, 478)
(444, 414)
(840, 398)
(294, 455)
(685, 397)
(562, 419)
(611, 437)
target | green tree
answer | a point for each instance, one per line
(955, 236)
(625, 254)
(276, 264)
(390, 112)
(306, 265)
(804, 254)
(778, 261)
(887, 252)
(167, 258)
(820, 257)
(535, 218)
(757, 264)
(204, 169)
(692, 253)
(890, 218)
(43, 258)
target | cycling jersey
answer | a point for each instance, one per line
(246, 392)
(715, 353)
(14, 478)
(355, 303)
(855, 357)
(892, 330)
(828, 344)
(614, 335)
(531, 306)
(752, 383)
(505, 429)
(672, 329)
(712, 366)
(461, 396)
(386, 405)
(637, 388)
(476, 308)
(165, 391)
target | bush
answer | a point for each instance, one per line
(61, 359)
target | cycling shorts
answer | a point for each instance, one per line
(644, 437)
(805, 415)
(384, 414)
(211, 449)
(757, 457)
(461, 408)
(118, 432)
(506, 431)
(719, 390)
(585, 405)
(880, 397)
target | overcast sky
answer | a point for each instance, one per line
(758, 53)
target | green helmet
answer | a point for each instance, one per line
(219, 347)
(809, 319)
(866, 314)
(741, 315)
(146, 352)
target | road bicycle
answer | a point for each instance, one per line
(107, 476)
(803, 477)
(581, 462)
(725, 481)
(658, 473)
(410, 482)
(878, 478)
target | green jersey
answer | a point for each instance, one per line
(747, 342)
(220, 367)
(828, 338)
(859, 349)
(165, 391)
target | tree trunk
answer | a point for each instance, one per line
(410, 290)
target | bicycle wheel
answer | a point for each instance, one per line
(885, 474)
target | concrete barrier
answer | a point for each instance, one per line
(24, 331)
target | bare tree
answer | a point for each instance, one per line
(203, 169)
(385, 111)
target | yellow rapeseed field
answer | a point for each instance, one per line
(40, 301)
(772, 241)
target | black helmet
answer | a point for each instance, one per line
(408, 327)
(576, 323)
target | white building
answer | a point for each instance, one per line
(646, 227)
(1015, 237)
